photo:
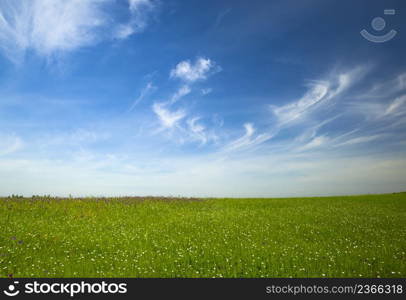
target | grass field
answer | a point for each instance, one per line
(355, 236)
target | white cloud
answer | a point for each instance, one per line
(53, 27)
(189, 72)
(221, 16)
(314, 143)
(374, 111)
(385, 88)
(123, 31)
(140, 11)
(402, 82)
(168, 118)
(292, 111)
(136, 5)
(194, 127)
(191, 131)
(361, 139)
(320, 92)
(206, 91)
(149, 88)
(397, 107)
(48, 26)
(10, 144)
(248, 140)
(180, 93)
(199, 132)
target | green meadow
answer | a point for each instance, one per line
(351, 236)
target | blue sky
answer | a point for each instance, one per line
(201, 98)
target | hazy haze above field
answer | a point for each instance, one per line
(201, 98)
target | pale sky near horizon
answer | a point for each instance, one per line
(201, 98)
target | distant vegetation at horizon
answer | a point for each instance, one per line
(180, 197)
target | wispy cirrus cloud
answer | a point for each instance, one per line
(206, 91)
(75, 137)
(248, 140)
(53, 27)
(327, 103)
(200, 132)
(10, 144)
(378, 118)
(180, 93)
(361, 139)
(140, 11)
(49, 26)
(320, 92)
(148, 89)
(314, 143)
(373, 110)
(384, 88)
(168, 118)
(295, 110)
(221, 16)
(397, 106)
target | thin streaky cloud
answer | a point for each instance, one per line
(314, 143)
(140, 11)
(319, 92)
(248, 140)
(10, 144)
(384, 88)
(206, 91)
(147, 90)
(295, 110)
(361, 139)
(221, 16)
(180, 93)
(397, 107)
